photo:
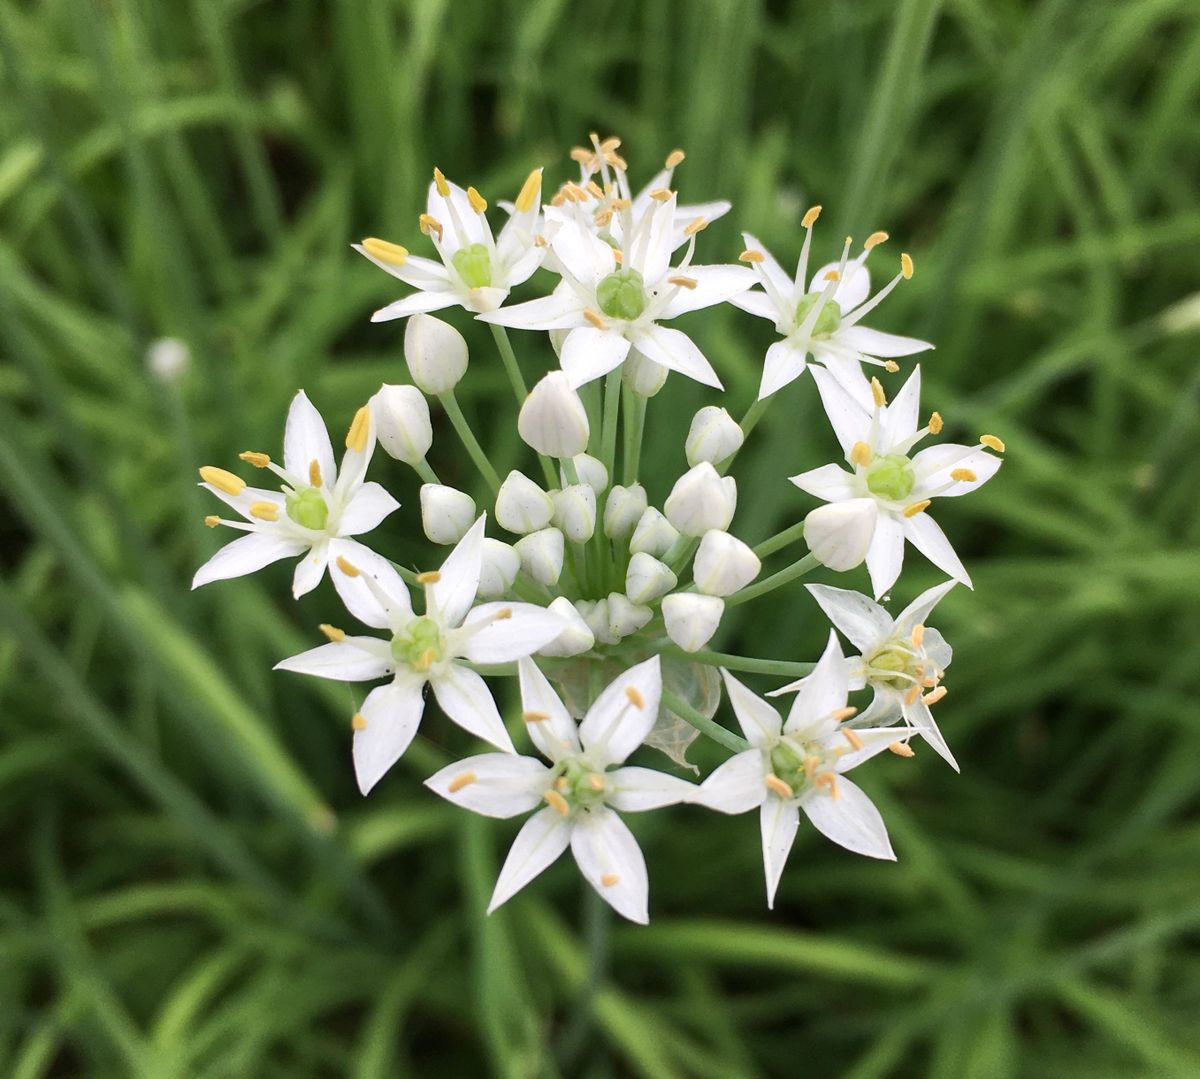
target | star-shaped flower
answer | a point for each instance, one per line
(888, 488)
(432, 648)
(581, 787)
(318, 506)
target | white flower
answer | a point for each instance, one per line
(589, 470)
(902, 659)
(499, 569)
(575, 512)
(553, 420)
(429, 648)
(476, 270)
(402, 422)
(702, 499)
(521, 505)
(713, 436)
(800, 764)
(436, 354)
(691, 619)
(611, 306)
(877, 444)
(623, 510)
(446, 513)
(723, 564)
(318, 507)
(647, 579)
(839, 534)
(820, 317)
(542, 555)
(581, 788)
(653, 534)
(575, 639)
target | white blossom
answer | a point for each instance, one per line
(723, 564)
(435, 352)
(575, 639)
(702, 499)
(402, 422)
(498, 569)
(623, 510)
(713, 436)
(575, 512)
(446, 514)
(691, 619)
(654, 534)
(542, 555)
(647, 579)
(521, 505)
(553, 420)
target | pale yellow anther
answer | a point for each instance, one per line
(595, 318)
(596, 781)
(314, 472)
(891, 366)
(682, 281)
(603, 217)
(828, 779)
(699, 225)
(535, 717)
(750, 256)
(617, 162)
(539, 240)
(258, 460)
(832, 275)
(430, 225)
(935, 696)
(618, 256)
(385, 251)
(928, 682)
(860, 454)
(877, 392)
(874, 240)
(935, 424)
(918, 635)
(595, 190)
(661, 194)
(810, 218)
(264, 511)
(963, 475)
(463, 779)
(917, 507)
(347, 567)
(332, 632)
(477, 201)
(840, 714)
(360, 428)
(621, 204)
(562, 784)
(901, 749)
(425, 660)
(610, 144)
(911, 696)
(774, 783)
(906, 266)
(581, 154)
(212, 520)
(852, 737)
(811, 764)
(430, 576)
(439, 181)
(574, 192)
(222, 480)
(635, 697)
(557, 199)
(674, 159)
(358, 721)
(557, 802)
(503, 615)
(992, 443)
(609, 879)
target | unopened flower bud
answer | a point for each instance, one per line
(402, 422)
(595, 616)
(435, 352)
(553, 420)
(624, 617)
(839, 534)
(653, 534)
(701, 500)
(724, 564)
(713, 436)
(575, 512)
(590, 471)
(692, 619)
(446, 514)
(623, 510)
(499, 569)
(542, 555)
(521, 505)
(647, 578)
(575, 638)
(643, 376)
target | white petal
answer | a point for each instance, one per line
(467, 701)
(770, 268)
(392, 714)
(759, 721)
(830, 483)
(853, 287)
(932, 467)
(878, 343)
(926, 535)
(556, 735)
(874, 740)
(368, 506)
(585, 256)
(899, 419)
(918, 716)
(538, 845)
(246, 498)
(714, 285)
(310, 569)
(623, 714)
(649, 251)
(493, 784)
(783, 364)
(848, 371)
(503, 640)
(611, 860)
(864, 623)
(937, 648)
(850, 820)
(850, 421)
(736, 786)
(558, 311)
(458, 582)
(454, 211)
(485, 299)
(637, 789)
(414, 270)
(886, 554)
(378, 596)
(821, 694)
(685, 215)
(417, 303)
(589, 353)
(757, 303)
(674, 350)
(305, 440)
(245, 555)
(920, 608)
(355, 659)
(778, 821)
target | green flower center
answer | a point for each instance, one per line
(622, 295)
(420, 647)
(893, 659)
(308, 508)
(579, 785)
(891, 477)
(828, 320)
(474, 265)
(788, 766)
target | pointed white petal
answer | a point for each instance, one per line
(874, 741)
(850, 421)
(932, 467)
(674, 350)
(417, 303)
(310, 569)
(886, 554)
(921, 607)
(899, 419)
(759, 721)
(368, 506)
(848, 371)
(736, 786)
(493, 784)
(454, 211)
(585, 256)
(877, 343)
(636, 789)
(783, 364)
(830, 483)
(926, 535)
(355, 659)
(377, 596)
(685, 215)
(937, 648)
(245, 555)
(538, 845)
(504, 639)
(305, 440)
(850, 820)
(821, 694)
(778, 821)
(246, 498)
(918, 716)
(589, 353)
(852, 289)
(558, 311)
(392, 714)
(864, 623)
(650, 249)
(465, 698)
(454, 591)
(611, 860)
(770, 268)
(555, 735)
(623, 714)
(714, 285)
(756, 303)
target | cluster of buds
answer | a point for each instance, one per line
(601, 600)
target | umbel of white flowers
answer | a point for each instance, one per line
(606, 596)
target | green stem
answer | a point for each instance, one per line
(407, 575)
(612, 400)
(634, 421)
(426, 472)
(703, 724)
(776, 580)
(511, 367)
(597, 922)
(780, 540)
(781, 667)
(469, 441)
(749, 421)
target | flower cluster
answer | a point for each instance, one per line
(599, 601)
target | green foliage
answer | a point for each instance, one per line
(191, 884)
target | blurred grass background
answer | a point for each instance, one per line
(191, 885)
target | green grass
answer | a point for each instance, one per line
(192, 886)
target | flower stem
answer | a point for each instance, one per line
(509, 358)
(469, 441)
(780, 540)
(749, 421)
(612, 400)
(783, 668)
(633, 422)
(703, 724)
(597, 920)
(423, 469)
(769, 584)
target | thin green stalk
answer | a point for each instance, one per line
(597, 925)
(612, 400)
(703, 724)
(783, 668)
(633, 422)
(423, 469)
(776, 580)
(511, 367)
(749, 421)
(469, 441)
(780, 540)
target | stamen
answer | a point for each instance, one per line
(314, 472)
(963, 475)
(595, 318)
(477, 201)
(556, 802)
(891, 366)
(935, 424)
(212, 520)
(535, 717)
(874, 240)
(264, 511)
(356, 437)
(683, 282)
(635, 697)
(917, 507)
(992, 443)
(832, 275)
(603, 217)
(839, 714)
(258, 460)
(675, 159)
(621, 204)
(811, 764)
(348, 568)
(581, 154)
(610, 144)
(774, 783)
(935, 696)
(222, 480)
(860, 454)
(750, 256)
(562, 784)
(851, 736)
(906, 267)
(618, 256)
(430, 225)
(358, 721)
(596, 782)
(595, 190)
(810, 218)
(539, 240)
(661, 194)
(617, 162)
(877, 392)
(910, 698)
(463, 779)
(439, 181)
(609, 879)
(828, 779)
(385, 251)
(901, 749)
(425, 660)
(918, 635)
(429, 577)
(699, 225)
(332, 632)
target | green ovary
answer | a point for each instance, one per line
(892, 659)
(474, 265)
(420, 647)
(308, 509)
(789, 766)
(622, 295)
(580, 785)
(891, 478)
(828, 320)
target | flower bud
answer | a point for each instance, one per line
(402, 422)
(647, 578)
(653, 534)
(624, 617)
(575, 638)
(623, 510)
(595, 616)
(435, 352)
(723, 564)
(713, 436)
(553, 420)
(643, 376)
(521, 505)
(446, 514)
(542, 555)
(589, 471)
(499, 569)
(692, 619)
(840, 533)
(701, 499)
(575, 512)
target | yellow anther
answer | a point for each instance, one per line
(682, 281)
(431, 576)
(264, 511)
(916, 507)
(360, 427)
(906, 266)
(581, 154)
(618, 256)
(595, 190)
(535, 717)
(348, 568)
(212, 520)
(574, 192)
(258, 460)
(610, 144)
(832, 275)
(385, 251)
(332, 632)
(603, 217)
(674, 159)
(828, 779)
(635, 697)
(935, 424)
(860, 454)
(358, 721)
(596, 781)
(617, 162)
(874, 240)
(910, 698)
(840, 714)
(891, 366)
(811, 764)
(852, 737)
(222, 480)
(595, 318)
(562, 784)
(699, 225)
(557, 199)
(935, 696)
(774, 783)
(877, 392)
(502, 615)
(439, 181)
(609, 879)
(430, 225)
(621, 204)
(661, 194)
(918, 635)
(314, 472)
(425, 660)
(463, 779)
(557, 802)
(992, 443)
(750, 256)
(963, 475)
(901, 749)
(810, 218)
(477, 201)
